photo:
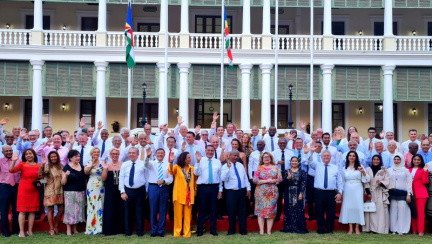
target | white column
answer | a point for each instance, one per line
(163, 14)
(100, 92)
(163, 94)
(265, 98)
(37, 104)
(38, 16)
(266, 18)
(327, 21)
(184, 21)
(246, 18)
(102, 16)
(388, 18)
(388, 97)
(245, 95)
(184, 92)
(327, 97)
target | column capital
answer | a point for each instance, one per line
(245, 68)
(327, 68)
(266, 68)
(184, 67)
(161, 66)
(37, 63)
(388, 69)
(101, 65)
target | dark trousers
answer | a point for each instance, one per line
(158, 198)
(195, 207)
(252, 199)
(207, 195)
(310, 196)
(325, 204)
(281, 189)
(171, 203)
(236, 203)
(8, 197)
(41, 200)
(135, 200)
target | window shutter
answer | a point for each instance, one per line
(15, 78)
(356, 83)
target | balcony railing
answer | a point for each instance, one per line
(69, 38)
(414, 43)
(141, 39)
(15, 37)
(213, 41)
(357, 43)
(297, 42)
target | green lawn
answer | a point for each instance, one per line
(254, 237)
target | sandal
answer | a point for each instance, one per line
(56, 230)
(52, 232)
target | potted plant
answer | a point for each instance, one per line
(116, 126)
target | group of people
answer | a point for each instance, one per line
(200, 175)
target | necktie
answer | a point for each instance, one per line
(11, 178)
(253, 142)
(216, 154)
(82, 155)
(131, 175)
(184, 139)
(160, 174)
(210, 172)
(32, 145)
(205, 145)
(230, 135)
(319, 158)
(142, 153)
(92, 143)
(325, 177)
(299, 158)
(220, 141)
(272, 144)
(125, 144)
(238, 176)
(283, 159)
(169, 156)
(103, 148)
(293, 144)
(326, 147)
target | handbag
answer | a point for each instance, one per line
(369, 207)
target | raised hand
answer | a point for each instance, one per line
(198, 156)
(179, 120)
(148, 140)
(426, 168)
(215, 116)
(135, 141)
(235, 128)
(312, 148)
(172, 134)
(361, 169)
(104, 165)
(49, 141)
(229, 164)
(67, 173)
(149, 152)
(23, 133)
(382, 134)
(183, 148)
(44, 159)
(165, 129)
(197, 129)
(71, 139)
(289, 176)
(15, 157)
(302, 125)
(82, 123)
(100, 125)
(4, 121)
(305, 149)
(172, 158)
(213, 125)
(223, 147)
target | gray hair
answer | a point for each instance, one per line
(47, 127)
(234, 151)
(122, 131)
(352, 141)
(115, 137)
(326, 151)
(379, 141)
(133, 148)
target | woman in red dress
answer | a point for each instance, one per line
(28, 194)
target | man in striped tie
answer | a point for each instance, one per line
(158, 190)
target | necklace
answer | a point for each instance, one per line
(116, 173)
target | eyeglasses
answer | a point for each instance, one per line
(204, 134)
(266, 157)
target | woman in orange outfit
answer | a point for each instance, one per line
(183, 193)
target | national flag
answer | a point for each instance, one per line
(130, 53)
(228, 44)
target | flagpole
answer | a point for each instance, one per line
(166, 64)
(222, 42)
(276, 64)
(311, 63)
(129, 100)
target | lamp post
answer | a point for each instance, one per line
(143, 120)
(290, 122)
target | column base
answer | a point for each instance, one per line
(184, 40)
(246, 42)
(101, 39)
(389, 44)
(266, 42)
(37, 38)
(327, 43)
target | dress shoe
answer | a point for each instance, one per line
(194, 218)
(214, 233)
(200, 233)
(161, 235)
(329, 232)
(254, 217)
(153, 235)
(128, 234)
(321, 232)
(243, 233)
(6, 234)
(230, 233)
(140, 235)
(277, 218)
(220, 217)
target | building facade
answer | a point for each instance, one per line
(64, 60)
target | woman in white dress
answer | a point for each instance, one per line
(353, 176)
(400, 213)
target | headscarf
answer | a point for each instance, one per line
(374, 168)
(401, 166)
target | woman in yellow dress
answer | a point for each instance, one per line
(183, 193)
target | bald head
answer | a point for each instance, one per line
(413, 148)
(7, 151)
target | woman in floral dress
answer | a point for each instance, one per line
(95, 194)
(266, 194)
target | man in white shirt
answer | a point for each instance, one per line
(237, 188)
(219, 151)
(300, 154)
(124, 133)
(147, 131)
(326, 138)
(255, 137)
(313, 156)
(392, 149)
(387, 160)
(353, 146)
(328, 185)
(158, 190)
(169, 145)
(210, 188)
(254, 159)
(404, 148)
(132, 186)
(271, 140)
(183, 132)
(83, 148)
(219, 131)
(370, 142)
(47, 133)
(282, 157)
(389, 136)
(116, 142)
